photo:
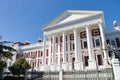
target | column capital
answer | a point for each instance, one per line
(100, 23)
(75, 29)
(63, 31)
(87, 25)
(53, 34)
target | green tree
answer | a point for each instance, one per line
(19, 67)
(5, 52)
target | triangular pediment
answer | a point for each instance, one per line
(72, 17)
(69, 16)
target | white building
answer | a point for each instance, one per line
(74, 40)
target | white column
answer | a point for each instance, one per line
(44, 50)
(69, 58)
(89, 43)
(80, 53)
(64, 47)
(42, 67)
(58, 50)
(52, 66)
(78, 56)
(76, 44)
(59, 65)
(53, 49)
(49, 59)
(64, 64)
(92, 63)
(103, 42)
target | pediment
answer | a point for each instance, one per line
(69, 16)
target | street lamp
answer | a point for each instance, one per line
(33, 56)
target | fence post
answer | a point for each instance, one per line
(116, 68)
(25, 76)
(61, 74)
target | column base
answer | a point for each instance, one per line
(42, 67)
(52, 67)
(92, 64)
(69, 66)
(78, 65)
(58, 67)
(65, 66)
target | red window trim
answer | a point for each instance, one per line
(95, 34)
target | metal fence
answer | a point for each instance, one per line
(103, 74)
(43, 75)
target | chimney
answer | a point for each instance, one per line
(115, 23)
(39, 40)
(27, 43)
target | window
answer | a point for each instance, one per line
(47, 53)
(113, 43)
(85, 44)
(38, 53)
(99, 60)
(95, 32)
(86, 60)
(46, 60)
(71, 36)
(41, 54)
(61, 38)
(40, 61)
(83, 34)
(73, 46)
(97, 42)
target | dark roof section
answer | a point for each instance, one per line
(19, 43)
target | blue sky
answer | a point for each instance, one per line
(22, 20)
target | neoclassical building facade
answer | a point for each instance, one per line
(74, 40)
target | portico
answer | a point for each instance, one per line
(73, 40)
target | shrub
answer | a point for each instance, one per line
(19, 67)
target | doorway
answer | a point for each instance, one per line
(99, 59)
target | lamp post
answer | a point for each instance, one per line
(33, 56)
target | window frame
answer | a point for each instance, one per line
(114, 43)
(95, 42)
(84, 45)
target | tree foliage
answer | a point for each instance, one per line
(19, 67)
(5, 52)
(2, 64)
